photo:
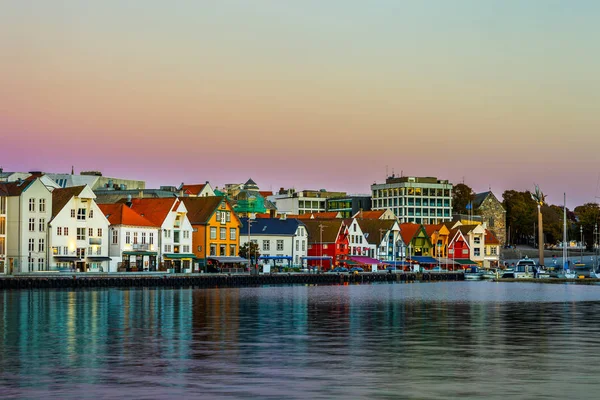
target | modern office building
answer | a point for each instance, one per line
(422, 200)
(349, 205)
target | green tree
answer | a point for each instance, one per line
(254, 252)
(553, 225)
(462, 195)
(587, 218)
(521, 214)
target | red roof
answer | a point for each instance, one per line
(193, 189)
(121, 214)
(265, 193)
(408, 231)
(373, 214)
(431, 229)
(317, 215)
(490, 238)
(154, 209)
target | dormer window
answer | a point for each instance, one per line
(81, 214)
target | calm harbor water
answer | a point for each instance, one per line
(422, 341)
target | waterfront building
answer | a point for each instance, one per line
(475, 236)
(175, 231)
(327, 242)
(27, 208)
(458, 248)
(289, 201)
(349, 205)
(283, 241)
(3, 203)
(421, 200)
(216, 230)
(383, 238)
(197, 190)
(492, 250)
(416, 240)
(77, 231)
(492, 213)
(439, 237)
(358, 245)
(132, 239)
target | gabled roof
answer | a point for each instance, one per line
(15, 188)
(465, 229)
(318, 215)
(409, 230)
(454, 233)
(372, 214)
(270, 226)
(490, 238)
(60, 197)
(121, 214)
(200, 209)
(265, 193)
(331, 229)
(373, 229)
(193, 189)
(154, 210)
(431, 229)
(481, 197)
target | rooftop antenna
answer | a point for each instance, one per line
(393, 173)
(386, 172)
(402, 173)
(72, 170)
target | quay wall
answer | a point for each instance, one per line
(208, 281)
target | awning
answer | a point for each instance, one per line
(465, 261)
(424, 259)
(227, 260)
(99, 258)
(275, 258)
(139, 253)
(350, 262)
(397, 263)
(365, 260)
(179, 256)
(316, 258)
(67, 258)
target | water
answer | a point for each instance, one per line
(423, 341)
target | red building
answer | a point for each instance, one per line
(327, 242)
(458, 248)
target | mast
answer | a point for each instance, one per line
(565, 233)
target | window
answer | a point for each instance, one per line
(223, 217)
(90, 250)
(228, 216)
(297, 245)
(143, 237)
(59, 231)
(151, 237)
(56, 250)
(127, 237)
(98, 250)
(31, 244)
(91, 213)
(223, 233)
(303, 245)
(232, 232)
(42, 225)
(99, 232)
(72, 213)
(41, 246)
(167, 233)
(186, 248)
(266, 245)
(115, 237)
(80, 233)
(66, 231)
(167, 248)
(213, 249)
(42, 206)
(30, 264)
(279, 245)
(213, 232)
(222, 250)
(232, 250)
(477, 251)
(65, 250)
(81, 214)
(31, 224)
(91, 232)
(31, 205)
(135, 238)
(494, 250)
(186, 234)
(477, 240)
(80, 253)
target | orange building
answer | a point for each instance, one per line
(216, 230)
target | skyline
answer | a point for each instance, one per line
(306, 95)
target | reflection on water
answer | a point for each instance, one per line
(439, 340)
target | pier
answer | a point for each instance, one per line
(87, 280)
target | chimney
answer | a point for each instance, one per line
(128, 203)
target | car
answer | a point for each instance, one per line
(356, 269)
(339, 269)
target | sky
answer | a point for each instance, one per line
(308, 94)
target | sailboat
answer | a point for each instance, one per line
(566, 272)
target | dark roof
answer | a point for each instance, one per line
(270, 226)
(480, 198)
(60, 197)
(193, 189)
(371, 227)
(14, 188)
(331, 229)
(116, 196)
(200, 209)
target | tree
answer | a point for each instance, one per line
(587, 217)
(553, 224)
(254, 252)
(462, 195)
(521, 214)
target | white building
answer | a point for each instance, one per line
(197, 190)
(412, 199)
(174, 245)
(133, 239)
(78, 231)
(27, 209)
(305, 202)
(384, 241)
(475, 236)
(358, 245)
(281, 241)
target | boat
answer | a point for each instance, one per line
(490, 274)
(523, 270)
(566, 273)
(473, 274)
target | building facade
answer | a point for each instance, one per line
(3, 203)
(327, 242)
(492, 214)
(288, 201)
(78, 231)
(412, 199)
(349, 205)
